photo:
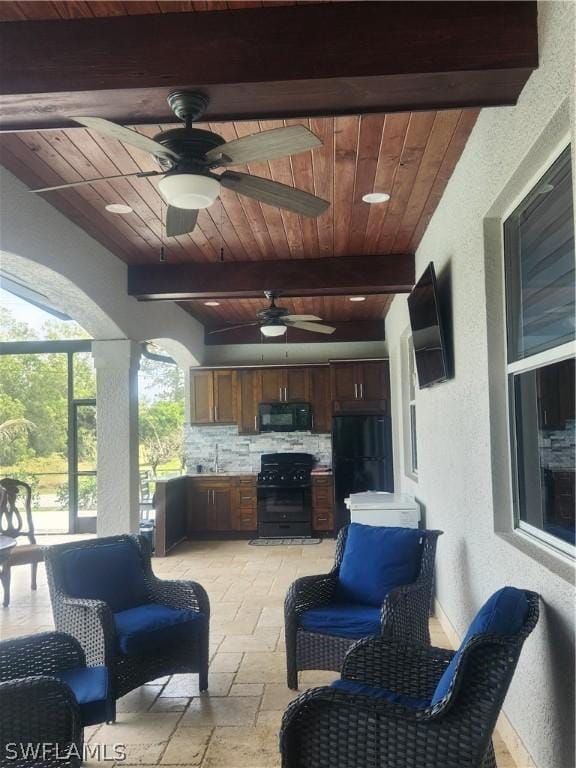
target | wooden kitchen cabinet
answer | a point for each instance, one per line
(322, 503)
(248, 396)
(225, 383)
(201, 397)
(297, 385)
(272, 385)
(244, 516)
(209, 504)
(360, 386)
(282, 385)
(213, 397)
(321, 399)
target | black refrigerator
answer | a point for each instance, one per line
(361, 458)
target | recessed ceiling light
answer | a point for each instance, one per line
(118, 208)
(211, 303)
(376, 197)
(357, 298)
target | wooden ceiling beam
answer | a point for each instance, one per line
(332, 276)
(353, 330)
(268, 62)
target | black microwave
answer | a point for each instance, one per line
(285, 417)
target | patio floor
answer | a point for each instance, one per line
(235, 724)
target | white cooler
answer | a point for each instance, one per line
(382, 508)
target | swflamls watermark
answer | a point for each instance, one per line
(47, 750)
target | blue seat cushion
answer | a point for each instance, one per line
(342, 620)
(112, 572)
(90, 686)
(502, 614)
(361, 689)
(150, 627)
(376, 560)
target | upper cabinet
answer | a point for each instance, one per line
(213, 397)
(282, 385)
(202, 397)
(362, 385)
(225, 396)
(247, 398)
(319, 384)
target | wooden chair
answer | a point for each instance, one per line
(16, 524)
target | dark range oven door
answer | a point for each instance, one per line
(284, 512)
(285, 417)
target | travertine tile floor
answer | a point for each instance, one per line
(235, 724)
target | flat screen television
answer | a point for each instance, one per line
(427, 332)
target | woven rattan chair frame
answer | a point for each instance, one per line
(92, 622)
(324, 728)
(35, 707)
(404, 615)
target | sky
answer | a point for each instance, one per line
(24, 312)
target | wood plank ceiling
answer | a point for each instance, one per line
(409, 155)
(85, 9)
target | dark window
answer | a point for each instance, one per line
(539, 246)
(545, 436)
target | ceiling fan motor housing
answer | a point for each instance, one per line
(191, 144)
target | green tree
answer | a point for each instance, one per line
(161, 432)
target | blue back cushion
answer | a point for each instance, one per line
(109, 572)
(377, 560)
(503, 614)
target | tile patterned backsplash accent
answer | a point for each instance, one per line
(558, 447)
(241, 453)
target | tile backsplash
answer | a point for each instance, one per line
(222, 448)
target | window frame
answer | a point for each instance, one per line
(410, 434)
(563, 351)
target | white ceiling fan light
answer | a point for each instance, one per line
(272, 330)
(190, 191)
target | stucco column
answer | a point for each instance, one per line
(116, 365)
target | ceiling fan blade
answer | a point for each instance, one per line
(267, 145)
(297, 318)
(126, 136)
(180, 221)
(274, 193)
(233, 327)
(93, 181)
(314, 327)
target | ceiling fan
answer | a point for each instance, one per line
(188, 157)
(274, 320)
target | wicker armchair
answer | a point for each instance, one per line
(95, 625)
(404, 614)
(326, 727)
(37, 708)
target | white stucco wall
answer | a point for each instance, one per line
(459, 458)
(45, 250)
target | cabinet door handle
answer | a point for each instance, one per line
(361, 391)
(208, 496)
(355, 391)
(215, 413)
(280, 391)
(285, 394)
(213, 497)
(255, 423)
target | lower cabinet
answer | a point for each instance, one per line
(322, 504)
(221, 504)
